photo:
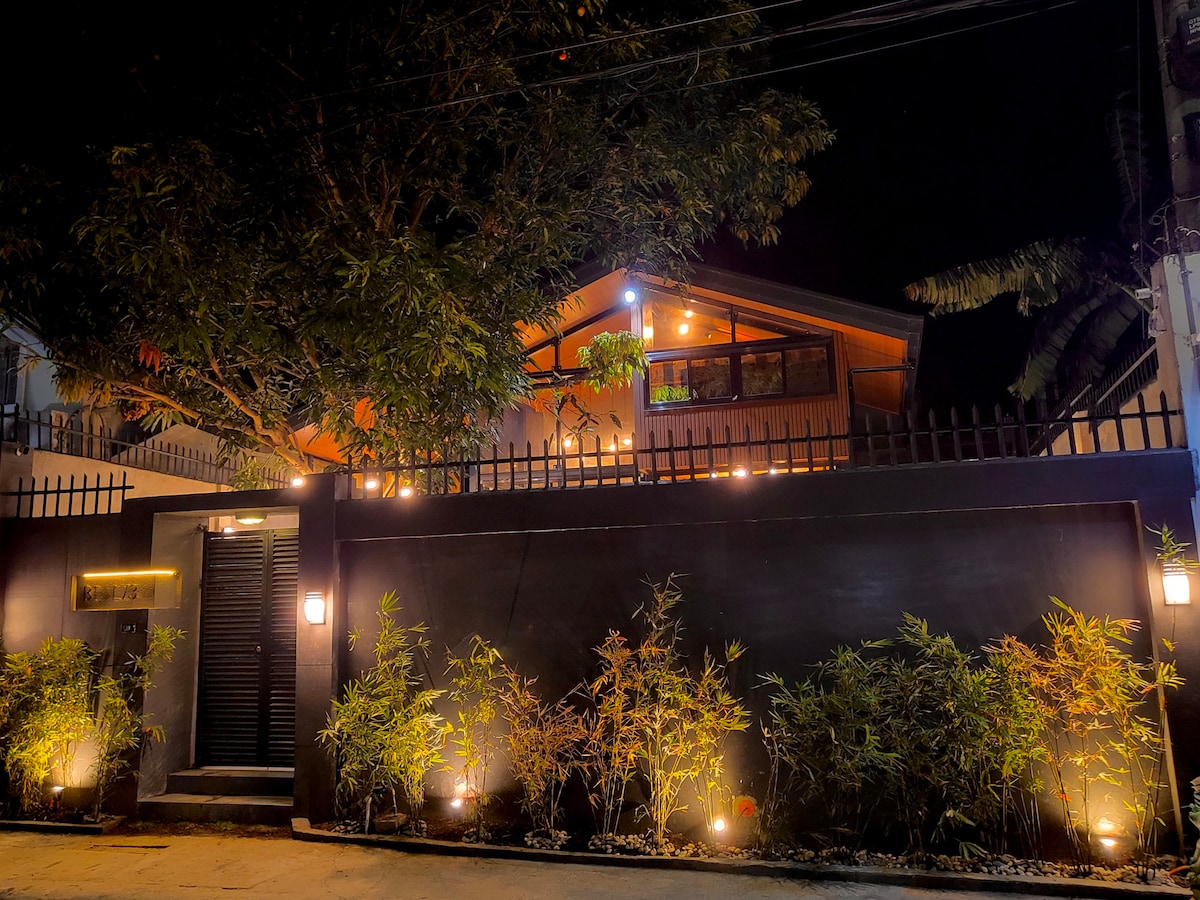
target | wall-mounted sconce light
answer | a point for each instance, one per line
(1175, 563)
(630, 295)
(1176, 589)
(250, 518)
(314, 608)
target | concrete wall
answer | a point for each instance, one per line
(792, 565)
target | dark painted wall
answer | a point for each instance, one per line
(791, 590)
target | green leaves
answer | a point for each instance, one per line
(384, 733)
(388, 242)
(53, 700)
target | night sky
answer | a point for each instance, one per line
(948, 150)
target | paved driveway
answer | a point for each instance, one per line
(163, 867)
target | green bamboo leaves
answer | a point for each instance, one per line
(384, 733)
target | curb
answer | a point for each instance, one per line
(1085, 889)
(32, 825)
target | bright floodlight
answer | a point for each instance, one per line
(630, 295)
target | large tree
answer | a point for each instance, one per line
(355, 234)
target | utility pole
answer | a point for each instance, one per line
(1177, 26)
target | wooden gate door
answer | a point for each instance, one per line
(247, 692)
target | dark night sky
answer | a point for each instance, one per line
(948, 150)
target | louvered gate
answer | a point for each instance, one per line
(247, 693)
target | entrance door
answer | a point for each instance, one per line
(247, 691)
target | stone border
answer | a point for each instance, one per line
(1083, 888)
(92, 828)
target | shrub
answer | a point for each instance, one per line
(476, 693)
(654, 717)
(911, 730)
(121, 725)
(544, 743)
(46, 709)
(383, 733)
(1091, 696)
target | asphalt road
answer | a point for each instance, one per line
(164, 867)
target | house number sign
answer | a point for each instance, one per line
(130, 589)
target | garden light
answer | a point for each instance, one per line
(1176, 588)
(370, 484)
(628, 442)
(298, 481)
(406, 491)
(718, 824)
(567, 442)
(456, 802)
(1106, 825)
(1108, 842)
(772, 471)
(314, 608)
(739, 473)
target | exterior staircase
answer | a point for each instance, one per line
(245, 796)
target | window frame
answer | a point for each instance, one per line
(734, 352)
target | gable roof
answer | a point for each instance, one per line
(600, 291)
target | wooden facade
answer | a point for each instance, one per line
(873, 366)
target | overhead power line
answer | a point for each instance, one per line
(912, 11)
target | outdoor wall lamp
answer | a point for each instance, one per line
(1176, 588)
(250, 518)
(630, 295)
(314, 608)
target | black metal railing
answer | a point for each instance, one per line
(884, 441)
(60, 432)
(46, 500)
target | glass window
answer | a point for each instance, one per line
(808, 371)
(669, 382)
(673, 323)
(711, 378)
(9, 355)
(762, 374)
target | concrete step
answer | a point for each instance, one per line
(232, 782)
(245, 810)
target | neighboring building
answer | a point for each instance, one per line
(46, 442)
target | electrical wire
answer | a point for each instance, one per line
(893, 46)
(631, 35)
(832, 22)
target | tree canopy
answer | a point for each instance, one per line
(356, 232)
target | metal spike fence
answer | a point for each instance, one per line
(883, 441)
(72, 499)
(60, 433)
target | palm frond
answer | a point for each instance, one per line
(1040, 273)
(1084, 327)
(1123, 124)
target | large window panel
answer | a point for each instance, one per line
(808, 371)
(669, 382)
(762, 374)
(712, 378)
(673, 323)
(798, 367)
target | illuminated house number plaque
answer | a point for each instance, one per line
(134, 589)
